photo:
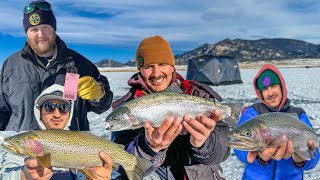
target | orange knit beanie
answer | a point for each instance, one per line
(154, 50)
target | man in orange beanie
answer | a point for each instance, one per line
(194, 155)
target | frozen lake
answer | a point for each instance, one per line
(303, 89)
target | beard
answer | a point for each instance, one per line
(43, 49)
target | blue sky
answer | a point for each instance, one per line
(100, 29)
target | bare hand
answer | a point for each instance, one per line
(32, 170)
(103, 172)
(201, 127)
(161, 137)
(277, 153)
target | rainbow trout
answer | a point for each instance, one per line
(154, 108)
(267, 130)
(73, 149)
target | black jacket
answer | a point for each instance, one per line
(24, 77)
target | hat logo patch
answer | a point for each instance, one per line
(34, 19)
(266, 81)
(140, 61)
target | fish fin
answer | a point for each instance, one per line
(44, 160)
(236, 109)
(278, 141)
(207, 113)
(231, 122)
(115, 166)
(184, 131)
(141, 167)
(307, 155)
(122, 146)
(174, 88)
(294, 115)
(89, 173)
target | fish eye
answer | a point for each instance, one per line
(114, 118)
(17, 141)
(247, 133)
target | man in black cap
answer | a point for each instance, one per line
(45, 60)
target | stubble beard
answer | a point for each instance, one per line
(43, 49)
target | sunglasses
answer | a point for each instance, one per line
(50, 107)
(43, 6)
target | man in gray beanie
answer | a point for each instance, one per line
(45, 60)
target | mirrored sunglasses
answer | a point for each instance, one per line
(50, 107)
(43, 6)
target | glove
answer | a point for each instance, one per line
(90, 89)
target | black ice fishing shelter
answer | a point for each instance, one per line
(214, 70)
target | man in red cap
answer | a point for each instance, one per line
(195, 155)
(274, 162)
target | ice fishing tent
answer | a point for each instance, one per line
(214, 70)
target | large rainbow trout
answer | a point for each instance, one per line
(267, 130)
(73, 149)
(155, 107)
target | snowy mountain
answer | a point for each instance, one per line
(243, 50)
(255, 50)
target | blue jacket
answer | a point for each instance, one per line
(283, 169)
(275, 170)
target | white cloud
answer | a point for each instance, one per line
(186, 24)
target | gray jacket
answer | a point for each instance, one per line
(10, 164)
(23, 77)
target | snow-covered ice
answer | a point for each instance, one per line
(303, 86)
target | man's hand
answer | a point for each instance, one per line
(201, 127)
(103, 172)
(90, 89)
(277, 153)
(32, 170)
(161, 137)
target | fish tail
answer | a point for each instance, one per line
(236, 109)
(139, 170)
(318, 145)
(317, 131)
(232, 123)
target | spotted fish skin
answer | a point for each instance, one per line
(155, 107)
(268, 129)
(73, 149)
(81, 148)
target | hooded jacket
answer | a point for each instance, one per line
(180, 158)
(11, 165)
(283, 169)
(24, 77)
(37, 108)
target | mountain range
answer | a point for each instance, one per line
(243, 50)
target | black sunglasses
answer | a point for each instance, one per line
(50, 107)
(43, 6)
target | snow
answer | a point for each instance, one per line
(303, 85)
